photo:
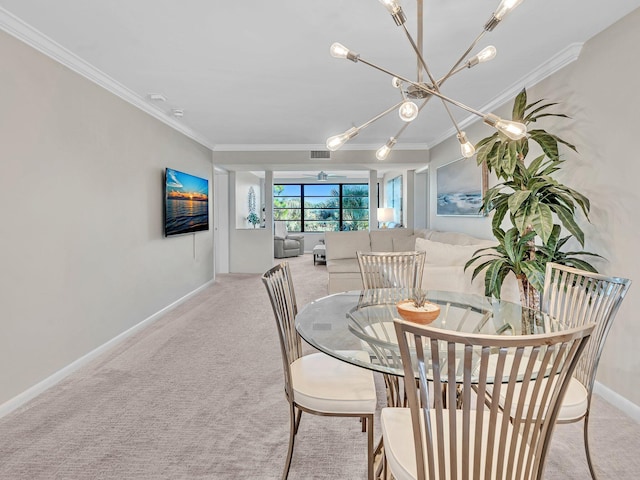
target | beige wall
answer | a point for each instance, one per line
(83, 257)
(600, 92)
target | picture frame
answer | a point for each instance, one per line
(460, 187)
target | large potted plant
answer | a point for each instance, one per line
(533, 201)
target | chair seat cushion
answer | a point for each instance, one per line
(325, 384)
(397, 433)
(574, 404)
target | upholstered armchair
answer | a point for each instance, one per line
(286, 244)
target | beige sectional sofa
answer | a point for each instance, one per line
(446, 255)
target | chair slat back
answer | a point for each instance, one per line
(577, 297)
(391, 269)
(279, 285)
(477, 440)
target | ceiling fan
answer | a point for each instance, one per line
(323, 176)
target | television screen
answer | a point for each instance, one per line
(186, 203)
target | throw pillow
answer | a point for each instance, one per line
(446, 254)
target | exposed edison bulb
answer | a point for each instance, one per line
(338, 50)
(392, 5)
(505, 7)
(467, 149)
(337, 141)
(486, 54)
(408, 111)
(513, 130)
(383, 152)
(396, 82)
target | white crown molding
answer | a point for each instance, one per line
(301, 148)
(35, 39)
(548, 68)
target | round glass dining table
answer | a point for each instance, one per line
(344, 323)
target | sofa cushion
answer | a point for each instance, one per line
(456, 238)
(346, 244)
(405, 244)
(382, 240)
(438, 253)
(343, 265)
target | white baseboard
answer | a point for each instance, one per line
(22, 398)
(618, 401)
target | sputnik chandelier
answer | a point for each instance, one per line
(423, 90)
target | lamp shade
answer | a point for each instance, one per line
(385, 214)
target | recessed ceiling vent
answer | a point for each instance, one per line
(315, 154)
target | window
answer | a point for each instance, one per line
(322, 207)
(393, 197)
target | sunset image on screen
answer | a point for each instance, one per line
(186, 203)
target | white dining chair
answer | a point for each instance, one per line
(391, 269)
(577, 297)
(475, 441)
(317, 383)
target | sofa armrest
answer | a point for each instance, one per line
(278, 247)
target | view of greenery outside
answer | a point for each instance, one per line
(322, 207)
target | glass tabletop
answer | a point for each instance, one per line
(342, 324)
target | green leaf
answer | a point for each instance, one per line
(535, 164)
(542, 221)
(568, 221)
(499, 233)
(486, 140)
(547, 142)
(532, 117)
(534, 272)
(557, 197)
(499, 215)
(517, 198)
(478, 269)
(581, 264)
(554, 239)
(519, 105)
(538, 117)
(572, 147)
(581, 200)
(520, 220)
(531, 105)
(493, 280)
(511, 157)
(510, 239)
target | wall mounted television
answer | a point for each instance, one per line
(186, 203)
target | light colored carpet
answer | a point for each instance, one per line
(199, 394)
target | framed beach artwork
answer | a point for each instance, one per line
(460, 186)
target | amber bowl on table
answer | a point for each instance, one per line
(425, 314)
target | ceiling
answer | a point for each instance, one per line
(257, 75)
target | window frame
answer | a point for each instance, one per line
(340, 208)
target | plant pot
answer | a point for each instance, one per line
(424, 315)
